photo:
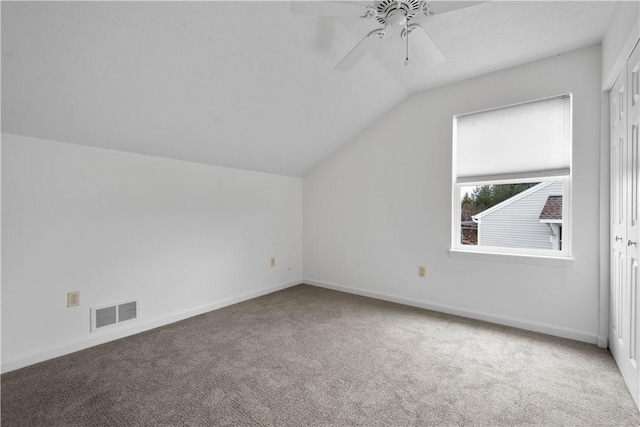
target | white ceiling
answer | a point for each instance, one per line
(243, 84)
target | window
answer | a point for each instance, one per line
(512, 179)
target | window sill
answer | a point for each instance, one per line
(513, 258)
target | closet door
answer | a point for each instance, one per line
(619, 208)
(625, 224)
(631, 300)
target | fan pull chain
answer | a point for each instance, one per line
(406, 29)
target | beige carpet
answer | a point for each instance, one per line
(309, 356)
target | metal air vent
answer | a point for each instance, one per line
(106, 316)
(114, 314)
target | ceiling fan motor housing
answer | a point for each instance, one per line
(396, 12)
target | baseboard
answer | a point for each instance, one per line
(41, 356)
(487, 317)
(603, 342)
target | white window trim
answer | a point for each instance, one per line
(512, 258)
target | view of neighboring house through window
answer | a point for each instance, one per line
(530, 216)
(512, 171)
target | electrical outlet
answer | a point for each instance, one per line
(422, 271)
(73, 299)
(273, 262)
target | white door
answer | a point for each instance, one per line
(619, 184)
(633, 225)
(625, 224)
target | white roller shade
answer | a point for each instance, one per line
(524, 140)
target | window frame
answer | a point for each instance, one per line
(562, 257)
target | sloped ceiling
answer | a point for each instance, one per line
(245, 84)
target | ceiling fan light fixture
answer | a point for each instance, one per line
(393, 10)
(397, 18)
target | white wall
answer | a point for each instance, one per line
(182, 237)
(381, 206)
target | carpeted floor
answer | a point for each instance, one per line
(310, 356)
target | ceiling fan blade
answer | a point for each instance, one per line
(422, 46)
(440, 7)
(361, 49)
(328, 8)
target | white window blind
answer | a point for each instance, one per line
(524, 140)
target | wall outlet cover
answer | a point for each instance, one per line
(422, 271)
(73, 299)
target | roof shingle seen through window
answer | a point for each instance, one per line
(552, 209)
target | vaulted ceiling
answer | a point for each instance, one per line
(242, 84)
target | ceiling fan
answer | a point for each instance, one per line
(396, 16)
